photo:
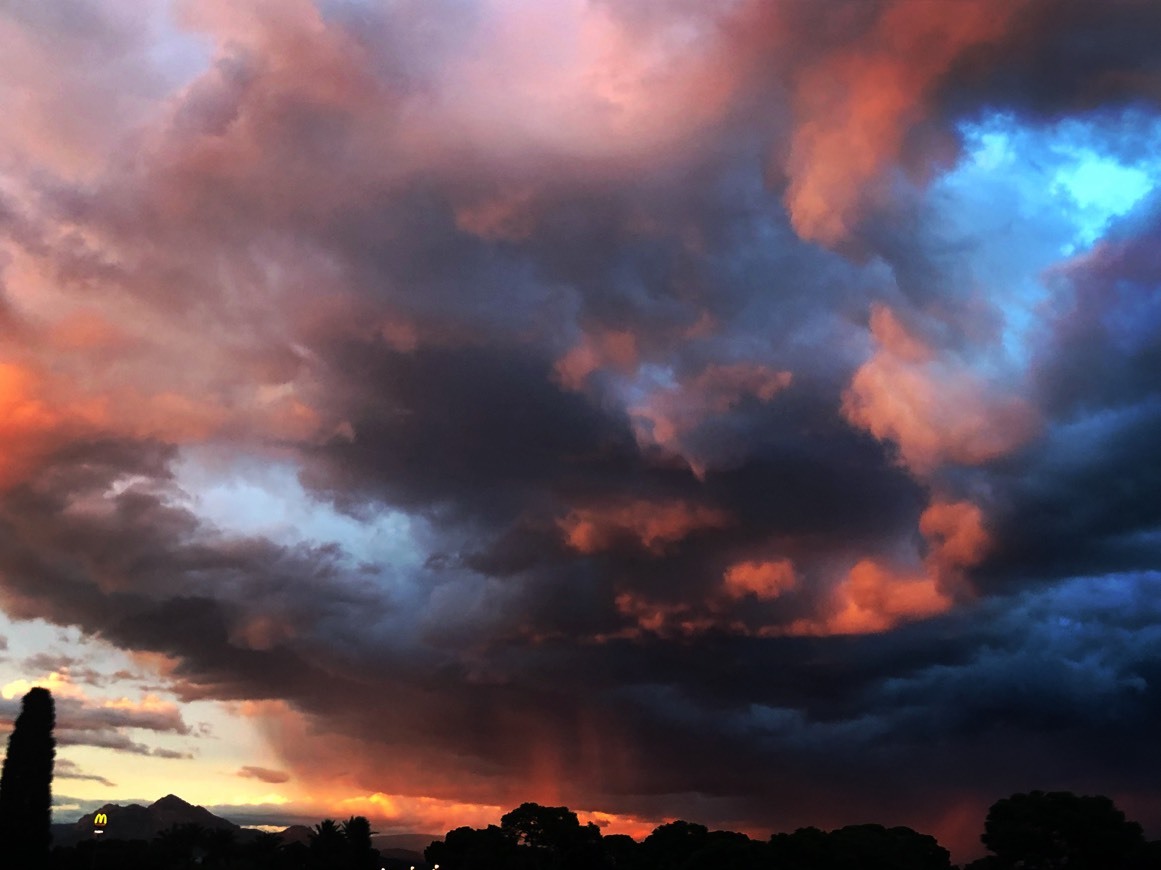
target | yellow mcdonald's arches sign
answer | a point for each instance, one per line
(100, 819)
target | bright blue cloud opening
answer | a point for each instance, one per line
(1102, 189)
(1022, 198)
(1080, 171)
(267, 499)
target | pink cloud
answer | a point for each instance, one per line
(68, 117)
(577, 79)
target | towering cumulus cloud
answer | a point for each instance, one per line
(666, 409)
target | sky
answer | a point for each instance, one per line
(740, 411)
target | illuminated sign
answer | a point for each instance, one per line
(100, 820)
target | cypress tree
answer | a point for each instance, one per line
(26, 784)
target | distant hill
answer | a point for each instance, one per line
(296, 834)
(135, 822)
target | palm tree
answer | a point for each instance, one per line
(327, 842)
(358, 833)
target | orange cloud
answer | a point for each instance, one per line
(933, 410)
(875, 597)
(764, 580)
(25, 421)
(654, 525)
(20, 410)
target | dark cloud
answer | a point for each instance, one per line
(264, 774)
(63, 768)
(1058, 58)
(112, 740)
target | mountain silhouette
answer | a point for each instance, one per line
(135, 822)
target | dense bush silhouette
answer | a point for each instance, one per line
(26, 784)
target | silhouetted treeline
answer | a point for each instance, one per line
(1035, 831)
(533, 837)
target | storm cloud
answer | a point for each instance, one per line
(744, 412)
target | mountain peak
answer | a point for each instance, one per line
(170, 802)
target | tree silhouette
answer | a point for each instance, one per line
(552, 837)
(1046, 831)
(26, 783)
(727, 850)
(668, 847)
(471, 849)
(621, 851)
